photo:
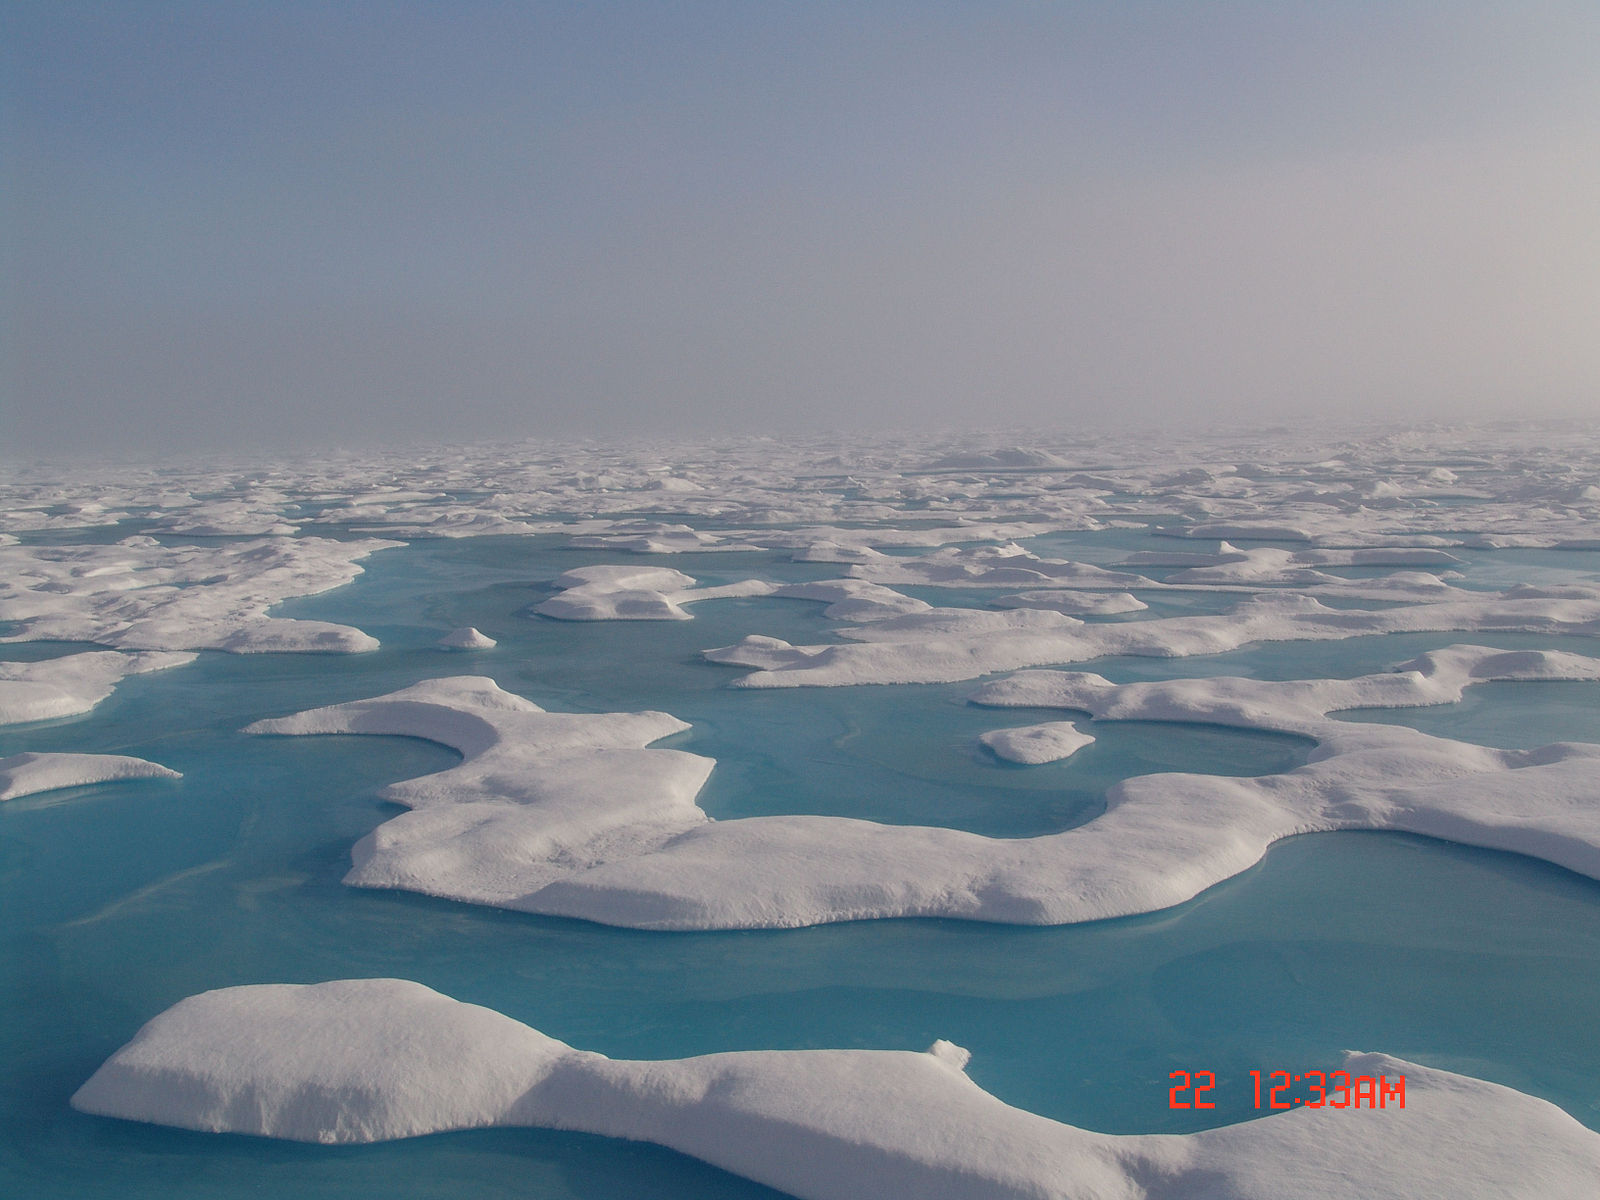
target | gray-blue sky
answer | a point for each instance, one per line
(229, 223)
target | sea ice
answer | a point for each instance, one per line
(1075, 603)
(539, 794)
(611, 593)
(466, 638)
(568, 815)
(27, 773)
(72, 684)
(945, 645)
(374, 1059)
(1050, 741)
(141, 595)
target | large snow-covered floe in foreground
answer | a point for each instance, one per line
(568, 815)
(374, 1059)
(30, 772)
(72, 684)
(612, 593)
(141, 595)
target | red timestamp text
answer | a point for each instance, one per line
(1285, 1089)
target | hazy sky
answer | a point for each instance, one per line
(239, 223)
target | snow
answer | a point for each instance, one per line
(369, 1060)
(141, 595)
(30, 772)
(1075, 603)
(466, 638)
(569, 815)
(613, 593)
(947, 645)
(64, 687)
(1050, 741)
(855, 599)
(538, 795)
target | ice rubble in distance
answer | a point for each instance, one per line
(31, 772)
(375, 1059)
(569, 815)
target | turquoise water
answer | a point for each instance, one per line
(121, 899)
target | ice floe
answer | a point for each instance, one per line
(1049, 741)
(855, 599)
(539, 795)
(615, 593)
(466, 638)
(72, 684)
(1075, 603)
(944, 645)
(369, 1060)
(568, 815)
(30, 772)
(139, 594)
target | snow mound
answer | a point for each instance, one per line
(1050, 741)
(369, 1060)
(466, 638)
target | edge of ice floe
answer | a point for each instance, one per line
(32, 772)
(370, 1060)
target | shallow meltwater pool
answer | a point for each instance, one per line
(121, 899)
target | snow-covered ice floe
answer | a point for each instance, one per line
(466, 638)
(374, 1059)
(944, 645)
(569, 815)
(1050, 741)
(539, 795)
(138, 594)
(31, 772)
(72, 684)
(612, 593)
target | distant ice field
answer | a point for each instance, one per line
(122, 898)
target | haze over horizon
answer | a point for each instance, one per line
(229, 226)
